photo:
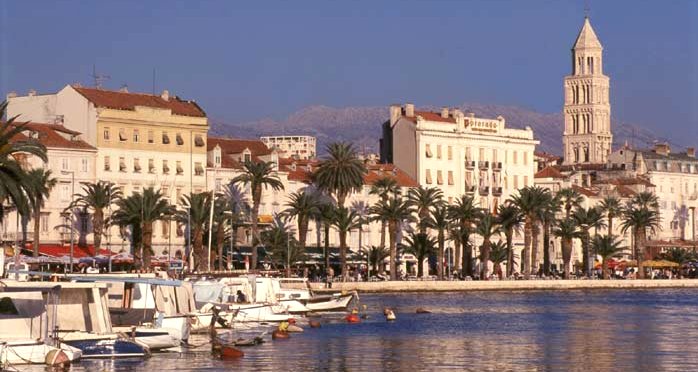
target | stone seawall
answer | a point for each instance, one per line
(505, 285)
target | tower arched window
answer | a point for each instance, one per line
(586, 154)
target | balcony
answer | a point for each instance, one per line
(497, 191)
(470, 189)
(483, 164)
(497, 165)
(484, 190)
(469, 164)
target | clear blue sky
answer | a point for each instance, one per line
(247, 60)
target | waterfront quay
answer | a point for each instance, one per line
(500, 285)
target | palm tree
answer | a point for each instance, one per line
(463, 213)
(344, 221)
(487, 227)
(394, 212)
(440, 222)
(607, 247)
(499, 253)
(613, 208)
(645, 199)
(239, 209)
(221, 219)
(280, 240)
(196, 213)
(421, 246)
(13, 185)
(570, 198)
(678, 255)
(587, 219)
(341, 172)
(324, 220)
(548, 217)
(510, 218)
(530, 202)
(141, 211)
(362, 218)
(376, 256)
(303, 206)
(258, 175)
(96, 197)
(383, 188)
(40, 182)
(640, 218)
(567, 231)
(422, 200)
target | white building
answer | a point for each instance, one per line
(460, 154)
(297, 147)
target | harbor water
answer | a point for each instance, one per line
(599, 330)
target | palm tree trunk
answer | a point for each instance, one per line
(220, 237)
(585, 253)
(566, 256)
(255, 229)
(509, 233)
(37, 226)
(440, 266)
(456, 253)
(640, 252)
(610, 224)
(604, 268)
(343, 253)
(467, 256)
(420, 266)
(526, 254)
(302, 231)
(392, 229)
(384, 228)
(198, 245)
(546, 248)
(534, 249)
(484, 259)
(327, 246)
(147, 243)
(97, 229)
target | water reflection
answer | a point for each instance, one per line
(652, 330)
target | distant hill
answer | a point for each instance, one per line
(361, 125)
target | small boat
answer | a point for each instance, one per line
(352, 318)
(155, 338)
(18, 351)
(105, 346)
(230, 352)
(312, 301)
(389, 314)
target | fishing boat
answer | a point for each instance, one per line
(311, 300)
(25, 328)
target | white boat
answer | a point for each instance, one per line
(312, 301)
(24, 330)
(155, 338)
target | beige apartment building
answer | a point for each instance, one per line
(141, 141)
(460, 154)
(297, 147)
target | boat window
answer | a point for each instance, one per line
(7, 307)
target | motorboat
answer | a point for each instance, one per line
(25, 331)
(311, 300)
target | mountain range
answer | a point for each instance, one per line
(362, 126)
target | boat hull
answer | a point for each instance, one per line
(331, 303)
(32, 352)
(108, 347)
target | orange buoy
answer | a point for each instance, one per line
(229, 352)
(314, 324)
(279, 335)
(352, 318)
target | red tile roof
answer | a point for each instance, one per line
(549, 172)
(584, 191)
(625, 182)
(128, 101)
(235, 146)
(625, 191)
(54, 136)
(375, 172)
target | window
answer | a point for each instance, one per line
(450, 153)
(494, 155)
(481, 154)
(83, 165)
(44, 222)
(107, 164)
(65, 163)
(468, 179)
(248, 157)
(438, 151)
(165, 167)
(165, 138)
(218, 184)
(151, 166)
(136, 165)
(122, 135)
(525, 158)
(525, 181)
(427, 151)
(516, 181)
(198, 169)
(450, 177)
(179, 139)
(178, 194)
(107, 134)
(151, 137)
(179, 168)
(65, 192)
(515, 158)
(199, 141)
(217, 159)
(122, 165)
(166, 228)
(468, 155)
(428, 177)
(439, 178)
(136, 135)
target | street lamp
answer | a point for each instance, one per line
(72, 195)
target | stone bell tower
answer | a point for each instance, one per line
(587, 136)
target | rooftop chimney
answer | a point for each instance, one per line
(409, 110)
(31, 92)
(662, 148)
(691, 151)
(165, 95)
(444, 112)
(124, 89)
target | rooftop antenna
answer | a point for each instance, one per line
(587, 8)
(98, 78)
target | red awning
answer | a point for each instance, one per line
(59, 250)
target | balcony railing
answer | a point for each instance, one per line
(484, 190)
(483, 164)
(496, 191)
(470, 164)
(497, 165)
